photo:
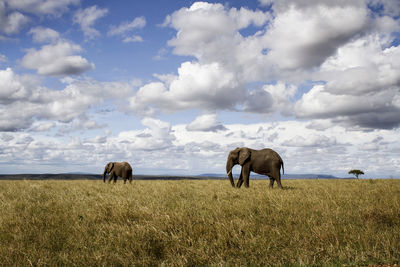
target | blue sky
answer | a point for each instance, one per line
(173, 86)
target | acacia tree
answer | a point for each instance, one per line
(356, 172)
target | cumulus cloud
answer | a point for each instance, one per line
(210, 32)
(368, 111)
(87, 17)
(350, 72)
(303, 149)
(303, 40)
(23, 101)
(126, 27)
(44, 35)
(311, 141)
(12, 88)
(334, 36)
(42, 126)
(156, 136)
(359, 90)
(303, 37)
(207, 122)
(206, 86)
(42, 7)
(13, 22)
(56, 59)
(133, 39)
(270, 98)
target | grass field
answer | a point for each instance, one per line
(88, 223)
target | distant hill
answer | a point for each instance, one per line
(89, 176)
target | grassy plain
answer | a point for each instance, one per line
(88, 223)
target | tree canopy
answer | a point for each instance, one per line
(356, 172)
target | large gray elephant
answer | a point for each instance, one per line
(265, 161)
(115, 169)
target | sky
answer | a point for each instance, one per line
(173, 86)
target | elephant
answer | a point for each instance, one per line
(115, 169)
(265, 161)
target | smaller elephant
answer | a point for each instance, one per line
(118, 169)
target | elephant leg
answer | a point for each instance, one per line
(240, 181)
(110, 177)
(277, 176)
(115, 178)
(124, 180)
(271, 182)
(278, 181)
(246, 176)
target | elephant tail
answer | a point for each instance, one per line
(130, 175)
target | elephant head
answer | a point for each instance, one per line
(107, 169)
(237, 156)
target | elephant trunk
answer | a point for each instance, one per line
(229, 166)
(104, 175)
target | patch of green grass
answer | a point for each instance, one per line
(89, 223)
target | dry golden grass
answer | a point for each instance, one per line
(88, 223)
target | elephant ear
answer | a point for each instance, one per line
(111, 166)
(243, 155)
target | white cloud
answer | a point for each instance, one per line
(24, 102)
(42, 7)
(161, 54)
(87, 17)
(301, 37)
(12, 89)
(3, 58)
(79, 123)
(351, 72)
(297, 38)
(271, 98)
(56, 59)
(304, 150)
(125, 27)
(13, 22)
(133, 39)
(313, 140)
(372, 111)
(207, 122)
(44, 35)
(305, 37)
(42, 126)
(359, 90)
(157, 136)
(210, 32)
(265, 2)
(208, 87)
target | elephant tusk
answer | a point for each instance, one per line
(229, 173)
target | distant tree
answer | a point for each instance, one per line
(356, 172)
